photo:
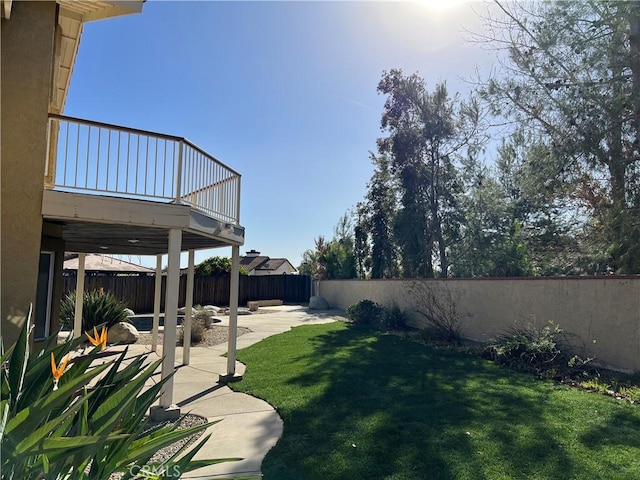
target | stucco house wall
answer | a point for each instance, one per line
(27, 63)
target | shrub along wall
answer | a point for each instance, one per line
(138, 291)
(601, 313)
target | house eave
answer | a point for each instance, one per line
(72, 15)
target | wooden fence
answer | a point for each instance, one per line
(138, 292)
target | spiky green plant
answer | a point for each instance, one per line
(397, 317)
(98, 308)
(92, 424)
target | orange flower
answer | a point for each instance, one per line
(98, 340)
(58, 371)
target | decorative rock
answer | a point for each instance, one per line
(318, 303)
(212, 308)
(129, 312)
(253, 306)
(123, 332)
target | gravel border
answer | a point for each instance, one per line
(215, 335)
(186, 421)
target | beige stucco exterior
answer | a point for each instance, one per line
(602, 312)
(27, 55)
(39, 41)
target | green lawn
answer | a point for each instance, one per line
(359, 404)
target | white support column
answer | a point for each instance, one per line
(77, 320)
(188, 305)
(171, 317)
(233, 317)
(156, 304)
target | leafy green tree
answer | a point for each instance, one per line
(338, 255)
(309, 264)
(215, 266)
(554, 220)
(426, 131)
(378, 214)
(571, 74)
(519, 218)
(333, 259)
(492, 241)
(361, 246)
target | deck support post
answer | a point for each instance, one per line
(77, 319)
(188, 312)
(156, 304)
(171, 318)
(233, 318)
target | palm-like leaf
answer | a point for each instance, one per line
(90, 427)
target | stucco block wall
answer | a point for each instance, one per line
(602, 312)
(27, 45)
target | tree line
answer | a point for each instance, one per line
(561, 196)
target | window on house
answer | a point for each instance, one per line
(43, 296)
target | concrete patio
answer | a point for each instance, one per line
(250, 427)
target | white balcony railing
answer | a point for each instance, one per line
(91, 157)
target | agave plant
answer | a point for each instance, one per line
(97, 308)
(70, 414)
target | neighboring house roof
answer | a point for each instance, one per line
(253, 262)
(250, 263)
(274, 264)
(97, 262)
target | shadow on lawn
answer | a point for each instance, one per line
(388, 408)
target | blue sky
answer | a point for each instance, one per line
(283, 92)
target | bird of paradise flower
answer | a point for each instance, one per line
(98, 340)
(57, 371)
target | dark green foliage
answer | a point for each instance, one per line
(366, 312)
(334, 259)
(425, 132)
(544, 351)
(397, 317)
(215, 266)
(377, 218)
(310, 264)
(571, 75)
(97, 309)
(498, 222)
(339, 261)
(93, 424)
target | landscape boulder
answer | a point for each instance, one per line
(212, 308)
(253, 306)
(123, 333)
(318, 303)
